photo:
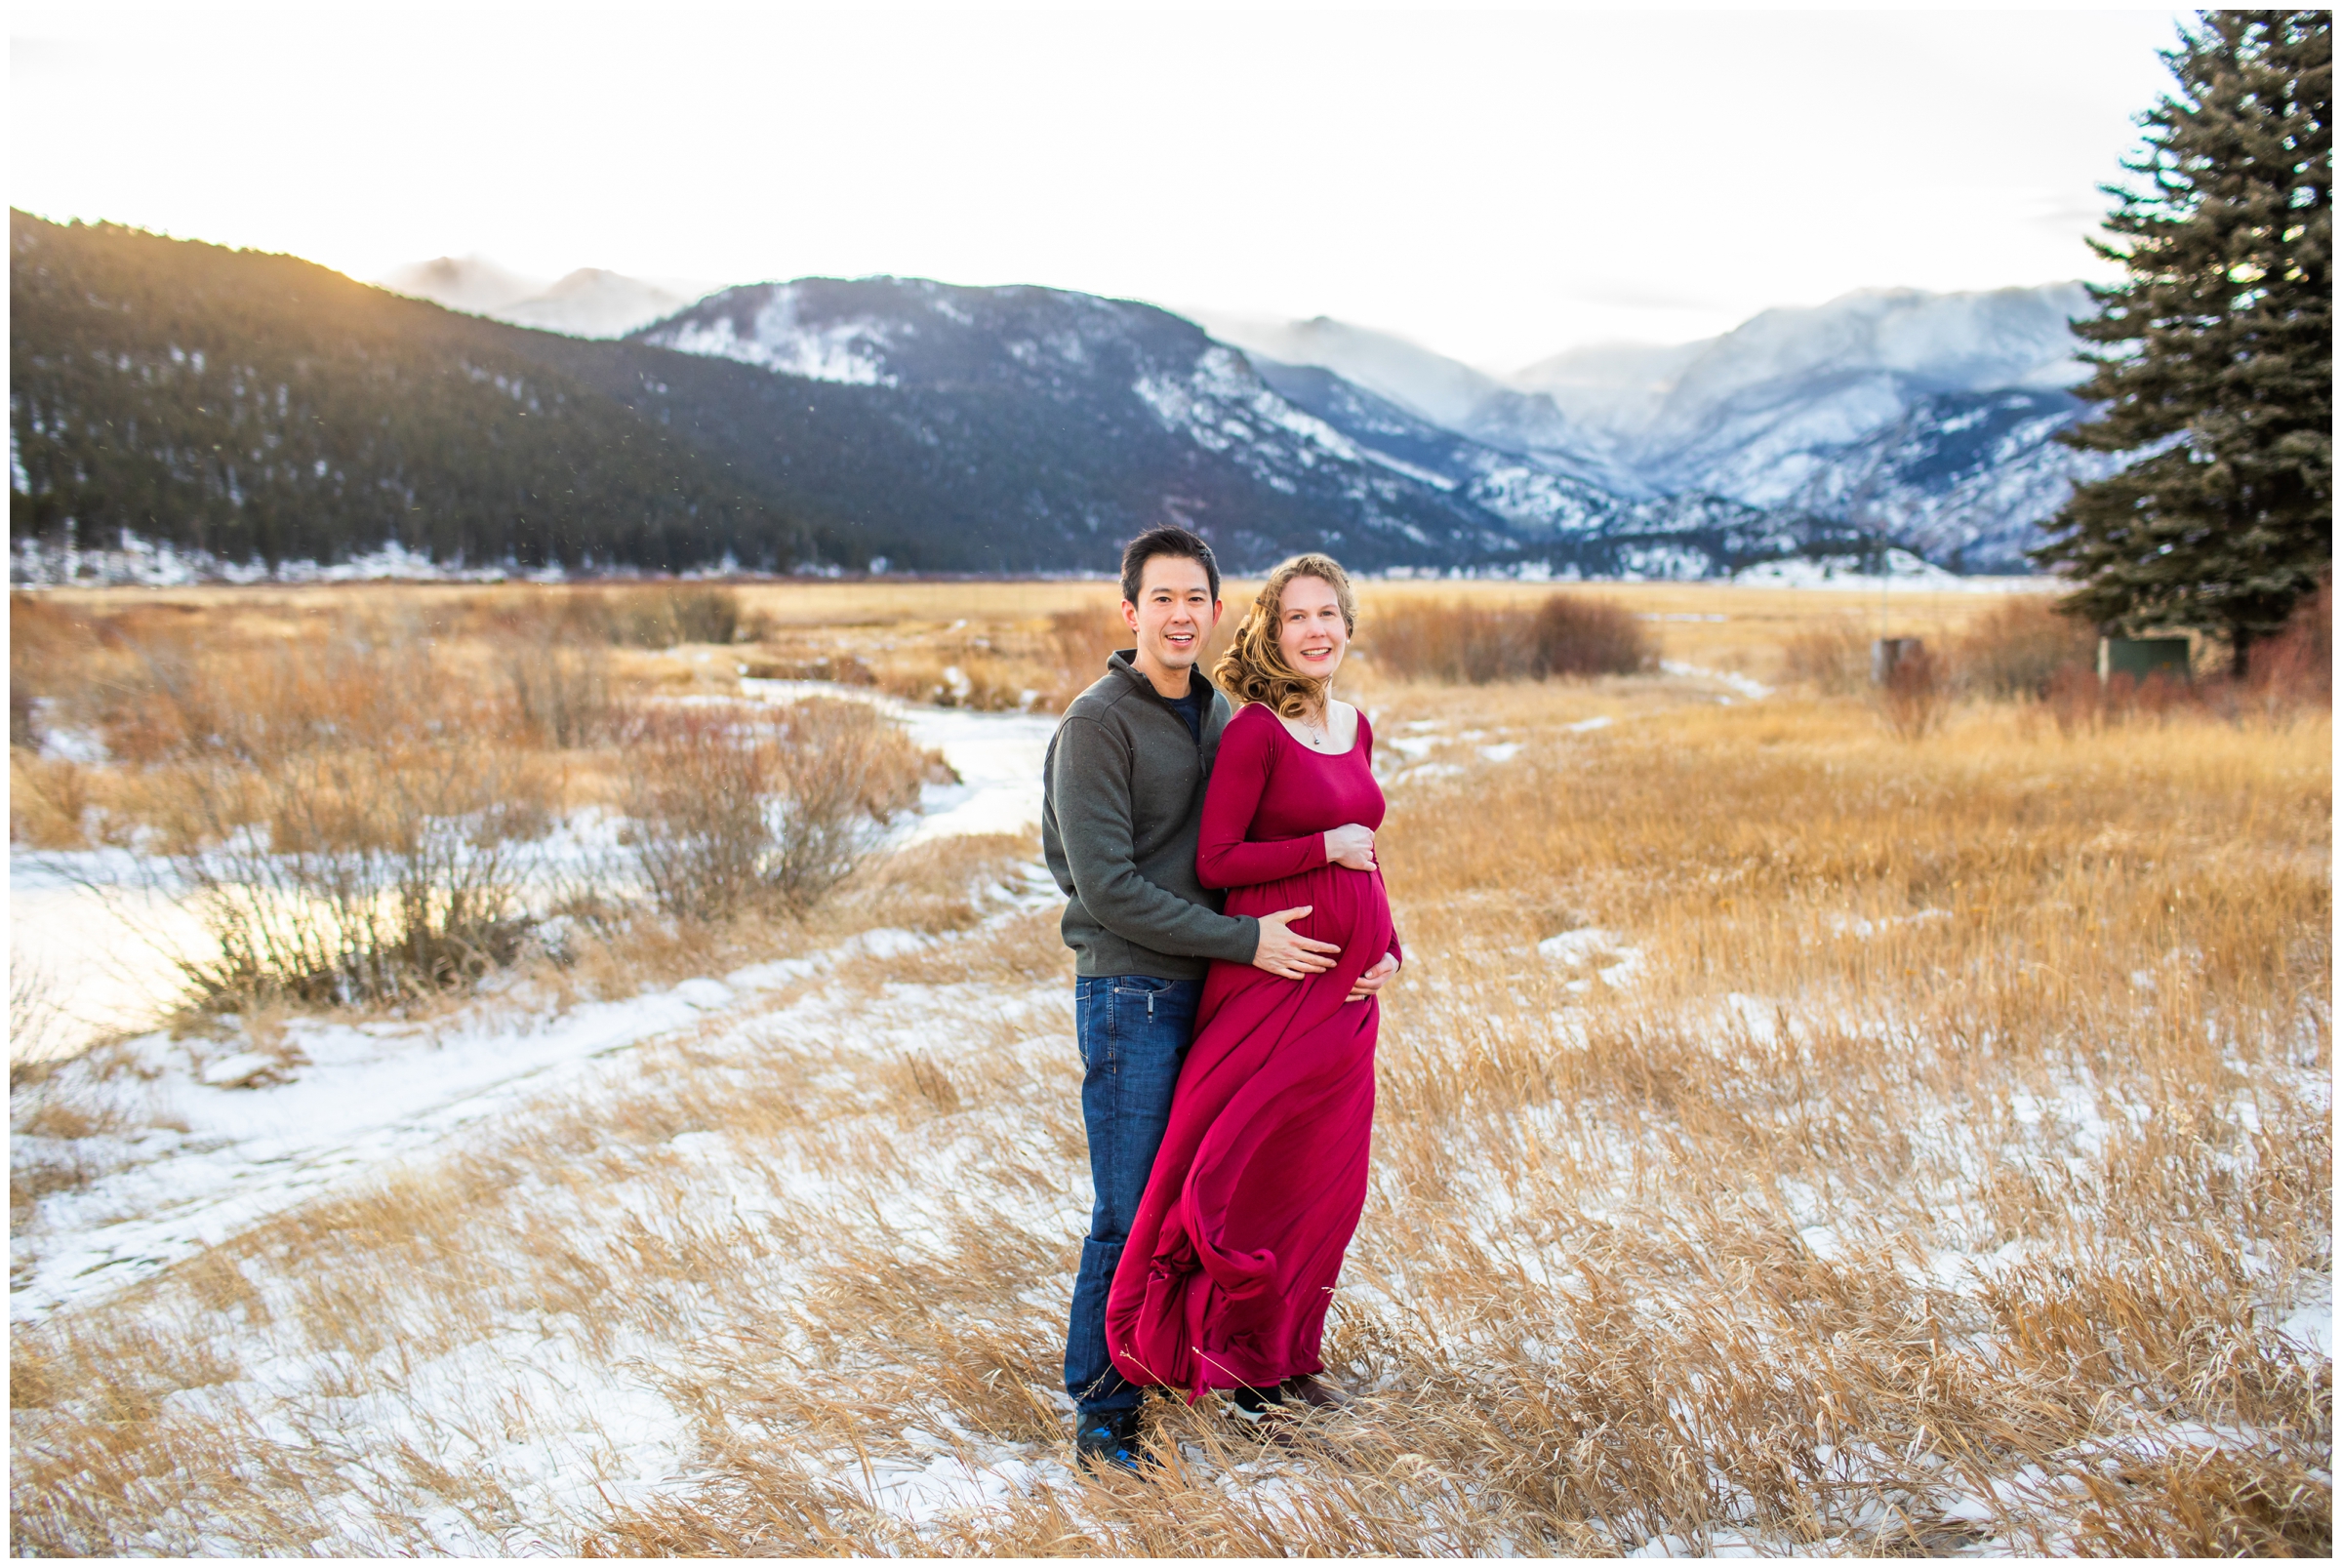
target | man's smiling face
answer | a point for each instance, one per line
(1174, 615)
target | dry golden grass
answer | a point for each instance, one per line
(1004, 638)
(1912, 1148)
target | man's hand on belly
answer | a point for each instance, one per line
(1289, 953)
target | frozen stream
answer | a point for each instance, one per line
(96, 943)
(997, 755)
(212, 1161)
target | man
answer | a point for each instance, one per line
(1122, 808)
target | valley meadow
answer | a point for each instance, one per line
(1813, 1118)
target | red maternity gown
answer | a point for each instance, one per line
(1257, 1188)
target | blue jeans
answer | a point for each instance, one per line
(1132, 1030)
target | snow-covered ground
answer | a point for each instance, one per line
(226, 1145)
(548, 1424)
(562, 1424)
(1846, 574)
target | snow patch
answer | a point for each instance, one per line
(847, 352)
(1746, 687)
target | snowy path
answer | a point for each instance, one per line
(369, 1094)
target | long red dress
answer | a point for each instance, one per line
(1257, 1188)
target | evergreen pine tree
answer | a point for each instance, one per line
(2216, 353)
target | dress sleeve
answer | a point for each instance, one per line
(1224, 858)
(1366, 739)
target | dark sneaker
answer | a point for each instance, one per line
(1309, 1391)
(1263, 1413)
(1103, 1438)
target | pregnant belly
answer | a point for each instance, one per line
(1347, 908)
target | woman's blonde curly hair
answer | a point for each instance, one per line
(1254, 667)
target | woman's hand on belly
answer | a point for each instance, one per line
(1370, 983)
(1350, 845)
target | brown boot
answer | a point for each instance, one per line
(1315, 1393)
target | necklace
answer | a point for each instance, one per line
(1314, 730)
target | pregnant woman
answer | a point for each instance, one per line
(1256, 1191)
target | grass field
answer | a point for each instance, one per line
(1717, 625)
(1792, 1137)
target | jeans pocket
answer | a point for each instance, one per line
(1142, 994)
(1094, 1022)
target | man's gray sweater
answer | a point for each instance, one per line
(1122, 805)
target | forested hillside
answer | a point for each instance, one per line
(261, 406)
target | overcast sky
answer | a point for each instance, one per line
(1496, 185)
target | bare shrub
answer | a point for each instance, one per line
(2075, 700)
(43, 640)
(980, 681)
(738, 807)
(1916, 697)
(559, 690)
(1575, 635)
(164, 692)
(699, 788)
(574, 613)
(1466, 643)
(339, 877)
(1451, 640)
(23, 720)
(47, 800)
(1834, 661)
(2019, 648)
(1080, 641)
(2081, 702)
(2296, 666)
(662, 615)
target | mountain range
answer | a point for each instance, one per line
(836, 423)
(1924, 417)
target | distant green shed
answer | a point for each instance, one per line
(2142, 657)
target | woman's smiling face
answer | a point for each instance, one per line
(1310, 627)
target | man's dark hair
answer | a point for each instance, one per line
(1165, 540)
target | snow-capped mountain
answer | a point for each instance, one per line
(590, 303)
(1037, 426)
(1927, 415)
(1442, 390)
(1533, 499)
(1613, 388)
(1754, 410)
